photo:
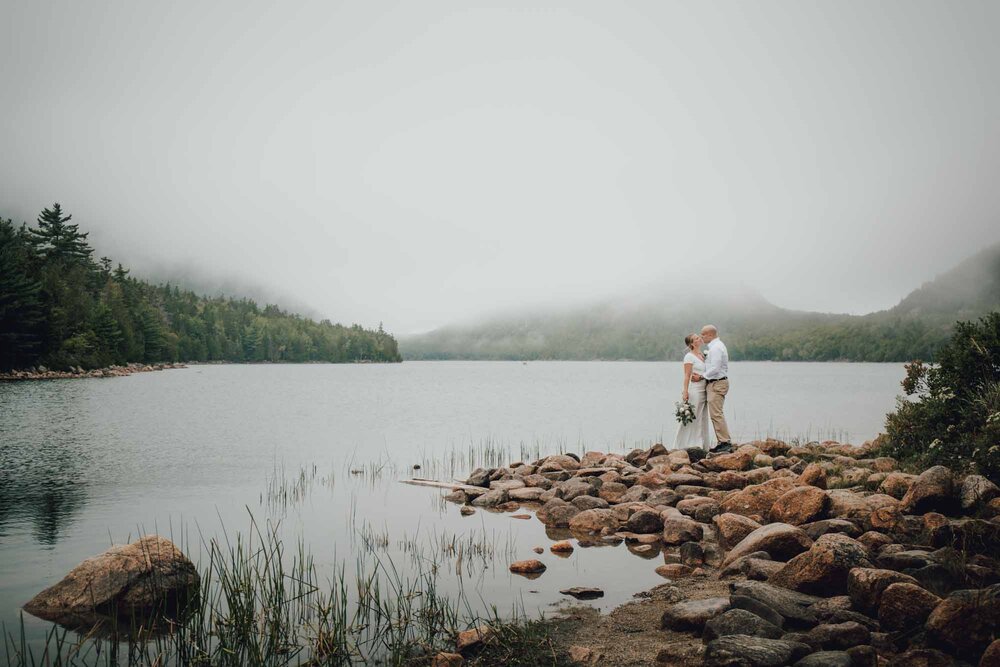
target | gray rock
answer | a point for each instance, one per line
(826, 659)
(823, 569)
(932, 491)
(479, 477)
(757, 607)
(645, 521)
(793, 607)
(747, 651)
(839, 636)
(817, 529)
(863, 656)
(739, 622)
(693, 614)
(492, 498)
(572, 488)
(977, 491)
(131, 580)
(557, 513)
(590, 503)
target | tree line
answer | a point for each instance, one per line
(61, 308)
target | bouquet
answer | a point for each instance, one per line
(684, 413)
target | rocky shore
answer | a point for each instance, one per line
(818, 555)
(43, 373)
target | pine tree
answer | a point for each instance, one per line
(56, 240)
(20, 308)
(152, 335)
(109, 335)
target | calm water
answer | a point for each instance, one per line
(186, 452)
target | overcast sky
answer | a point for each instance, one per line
(426, 162)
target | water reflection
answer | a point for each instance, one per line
(44, 461)
(48, 504)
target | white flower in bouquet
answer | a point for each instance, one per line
(684, 413)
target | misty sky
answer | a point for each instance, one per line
(426, 162)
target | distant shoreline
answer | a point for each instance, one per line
(42, 373)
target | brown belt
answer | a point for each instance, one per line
(716, 380)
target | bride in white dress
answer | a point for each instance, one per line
(698, 433)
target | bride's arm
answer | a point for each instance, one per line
(687, 379)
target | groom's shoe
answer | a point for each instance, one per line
(722, 448)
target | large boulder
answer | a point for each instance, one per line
(644, 521)
(492, 498)
(845, 504)
(732, 528)
(966, 621)
(932, 491)
(593, 521)
(827, 659)
(904, 606)
(779, 540)
(700, 509)
(757, 499)
(823, 569)
(557, 513)
(976, 491)
(896, 484)
(612, 491)
(679, 530)
(577, 486)
(866, 584)
(150, 575)
(739, 622)
(817, 529)
(748, 651)
(813, 475)
(693, 614)
(741, 459)
(558, 463)
(792, 606)
(800, 505)
(838, 636)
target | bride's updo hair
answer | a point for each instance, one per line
(689, 339)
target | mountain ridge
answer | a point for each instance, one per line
(651, 326)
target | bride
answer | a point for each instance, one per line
(697, 433)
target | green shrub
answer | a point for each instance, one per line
(953, 415)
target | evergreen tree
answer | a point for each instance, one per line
(152, 335)
(55, 239)
(20, 307)
(109, 335)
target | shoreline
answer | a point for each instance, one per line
(771, 553)
(43, 373)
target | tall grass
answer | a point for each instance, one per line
(261, 604)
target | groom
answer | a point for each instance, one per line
(716, 376)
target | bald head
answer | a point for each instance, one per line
(709, 332)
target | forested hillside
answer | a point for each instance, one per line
(651, 326)
(61, 308)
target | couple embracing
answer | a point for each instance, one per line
(706, 383)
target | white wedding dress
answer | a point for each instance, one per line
(698, 433)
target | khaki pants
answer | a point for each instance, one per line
(716, 399)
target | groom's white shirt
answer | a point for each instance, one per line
(717, 361)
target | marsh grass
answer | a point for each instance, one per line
(262, 604)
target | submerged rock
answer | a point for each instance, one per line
(150, 575)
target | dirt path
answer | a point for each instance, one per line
(631, 634)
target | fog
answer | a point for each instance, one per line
(421, 163)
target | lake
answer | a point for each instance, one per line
(317, 451)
